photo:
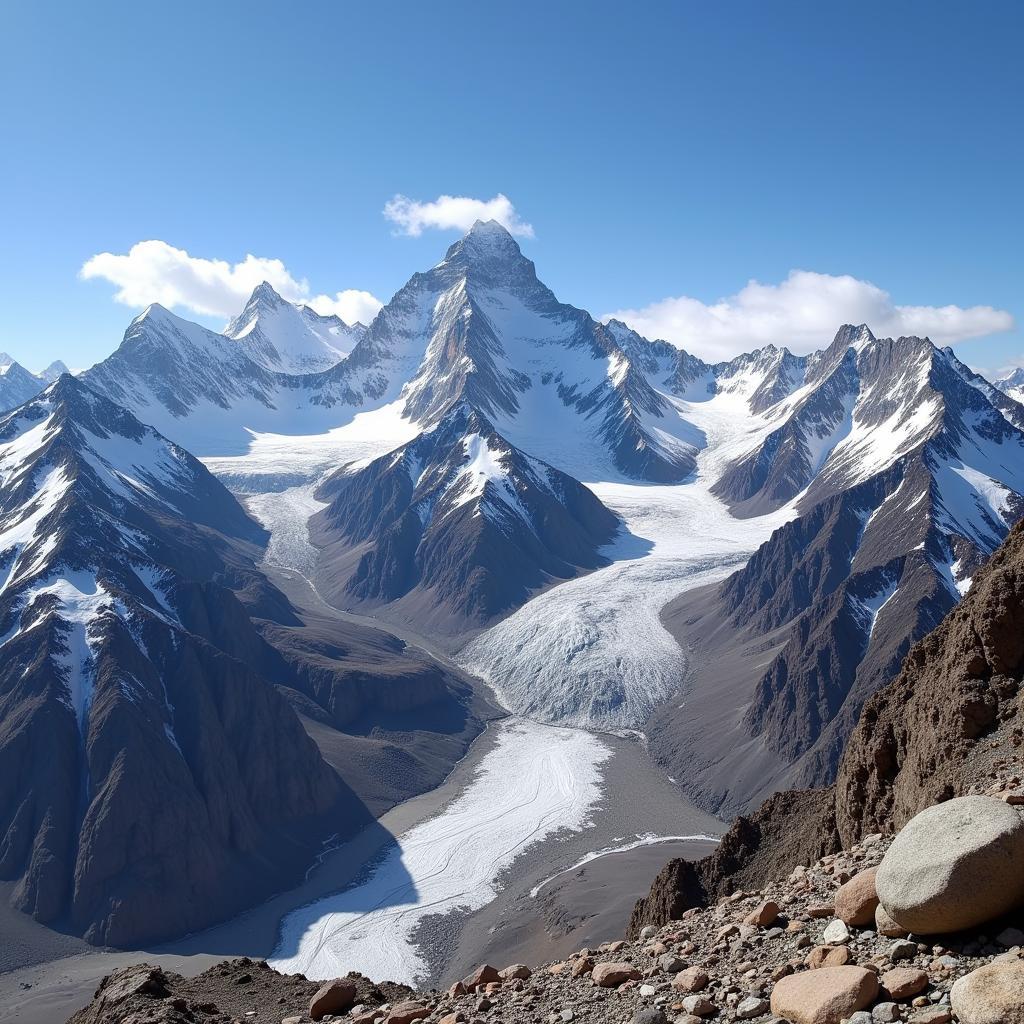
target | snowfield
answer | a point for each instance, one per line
(451, 861)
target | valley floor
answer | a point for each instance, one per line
(577, 906)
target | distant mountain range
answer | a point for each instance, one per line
(166, 699)
(1013, 384)
(18, 385)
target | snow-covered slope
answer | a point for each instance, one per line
(1013, 384)
(289, 338)
(17, 385)
(53, 371)
(456, 527)
(206, 392)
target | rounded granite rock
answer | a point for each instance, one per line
(825, 996)
(955, 865)
(993, 994)
(857, 899)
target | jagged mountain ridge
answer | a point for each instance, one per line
(478, 327)
(1012, 384)
(284, 337)
(925, 479)
(458, 520)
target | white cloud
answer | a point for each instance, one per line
(155, 271)
(351, 305)
(802, 313)
(453, 213)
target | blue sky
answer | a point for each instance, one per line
(664, 154)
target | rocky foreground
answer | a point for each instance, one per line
(829, 943)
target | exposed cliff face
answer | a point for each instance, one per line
(913, 738)
(921, 739)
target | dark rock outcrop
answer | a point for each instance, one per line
(228, 990)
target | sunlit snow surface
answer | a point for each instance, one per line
(451, 861)
(593, 652)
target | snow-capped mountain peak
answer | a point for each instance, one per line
(459, 519)
(856, 337)
(53, 371)
(17, 385)
(288, 338)
(1013, 384)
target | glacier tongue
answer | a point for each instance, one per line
(592, 652)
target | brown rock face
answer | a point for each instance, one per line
(406, 1013)
(908, 748)
(334, 997)
(826, 996)
(828, 956)
(481, 976)
(795, 827)
(693, 979)
(515, 971)
(856, 900)
(885, 925)
(763, 916)
(904, 982)
(581, 966)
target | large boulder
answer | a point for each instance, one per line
(993, 994)
(856, 899)
(334, 997)
(954, 866)
(825, 996)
